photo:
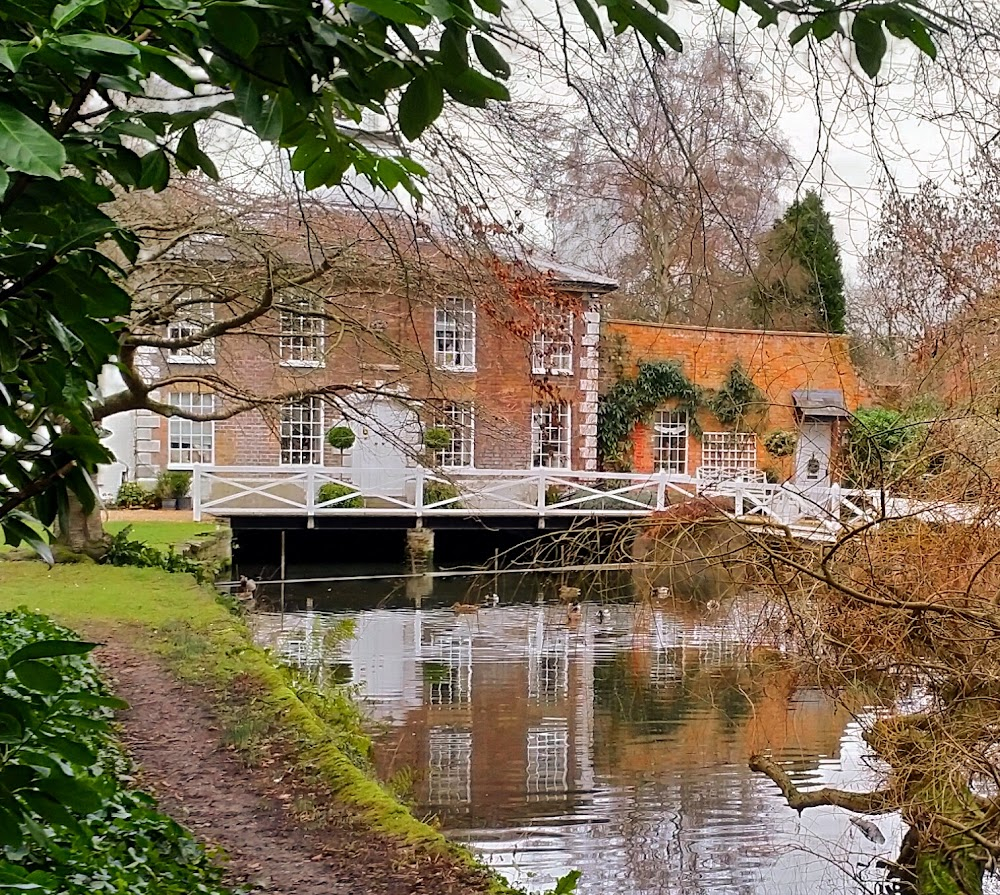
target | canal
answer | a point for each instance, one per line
(614, 740)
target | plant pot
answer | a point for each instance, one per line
(184, 503)
(168, 503)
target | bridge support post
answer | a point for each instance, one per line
(420, 549)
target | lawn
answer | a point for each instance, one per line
(162, 534)
(80, 593)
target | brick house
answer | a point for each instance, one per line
(808, 388)
(510, 369)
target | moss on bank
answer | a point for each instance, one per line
(206, 645)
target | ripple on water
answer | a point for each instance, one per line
(615, 748)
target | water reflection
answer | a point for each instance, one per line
(616, 744)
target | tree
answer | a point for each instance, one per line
(799, 283)
(671, 171)
(81, 111)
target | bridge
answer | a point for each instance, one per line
(416, 495)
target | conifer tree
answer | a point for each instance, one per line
(800, 281)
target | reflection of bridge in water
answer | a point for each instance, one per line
(414, 496)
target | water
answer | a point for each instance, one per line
(615, 745)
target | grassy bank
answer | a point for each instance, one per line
(265, 710)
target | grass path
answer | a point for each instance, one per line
(202, 694)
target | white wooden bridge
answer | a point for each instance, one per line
(820, 513)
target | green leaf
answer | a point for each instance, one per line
(494, 7)
(100, 43)
(732, 5)
(4, 182)
(589, 15)
(420, 105)
(10, 829)
(38, 676)
(566, 885)
(27, 147)
(155, 171)
(232, 28)
(826, 25)
(490, 57)
(396, 12)
(869, 44)
(800, 31)
(13, 53)
(270, 123)
(50, 649)
(64, 13)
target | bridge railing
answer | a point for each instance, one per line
(259, 490)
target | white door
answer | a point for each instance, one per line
(387, 436)
(812, 456)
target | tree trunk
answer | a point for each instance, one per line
(84, 532)
(926, 870)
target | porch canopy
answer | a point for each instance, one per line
(820, 403)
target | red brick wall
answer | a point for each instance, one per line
(778, 362)
(502, 388)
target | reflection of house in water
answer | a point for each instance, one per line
(511, 714)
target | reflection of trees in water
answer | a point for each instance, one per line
(655, 705)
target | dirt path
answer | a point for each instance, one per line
(176, 741)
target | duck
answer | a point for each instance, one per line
(247, 590)
(464, 607)
(568, 594)
(574, 613)
(492, 600)
(603, 615)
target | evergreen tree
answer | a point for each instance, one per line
(800, 280)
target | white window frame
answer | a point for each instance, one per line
(302, 331)
(729, 453)
(541, 416)
(552, 344)
(450, 418)
(449, 766)
(197, 317)
(670, 442)
(286, 432)
(195, 431)
(455, 335)
(547, 749)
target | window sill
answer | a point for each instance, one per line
(189, 359)
(302, 364)
(542, 371)
(450, 369)
(189, 467)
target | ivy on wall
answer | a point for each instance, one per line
(738, 403)
(630, 400)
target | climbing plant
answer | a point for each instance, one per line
(630, 400)
(737, 402)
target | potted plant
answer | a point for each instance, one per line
(164, 490)
(172, 487)
(181, 489)
(342, 438)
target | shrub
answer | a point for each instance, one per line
(71, 823)
(435, 492)
(341, 438)
(879, 445)
(133, 496)
(334, 490)
(123, 551)
(781, 442)
(437, 438)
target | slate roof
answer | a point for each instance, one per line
(820, 402)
